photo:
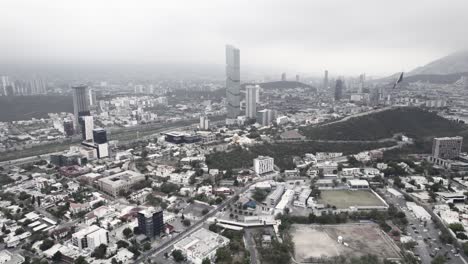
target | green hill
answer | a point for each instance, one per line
(413, 122)
(283, 153)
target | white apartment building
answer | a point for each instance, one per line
(90, 237)
(446, 147)
(263, 164)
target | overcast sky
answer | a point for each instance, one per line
(307, 36)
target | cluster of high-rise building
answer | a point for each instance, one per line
(252, 94)
(9, 87)
(94, 143)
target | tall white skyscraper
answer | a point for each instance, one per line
(325, 79)
(251, 101)
(232, 81)
(87, 127)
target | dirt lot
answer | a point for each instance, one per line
(343, 199)
(321, 241)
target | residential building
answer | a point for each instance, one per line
(274, 197)
(446, 147)
(263, 164)
(6, 257)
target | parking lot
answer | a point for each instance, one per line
(426, 235)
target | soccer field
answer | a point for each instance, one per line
(343, 199)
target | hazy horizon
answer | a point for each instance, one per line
(296, 37)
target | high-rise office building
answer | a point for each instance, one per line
(338, 90)
(362, 80)
(204, 123)
(251, 101)
(87, 127)
(100, 135)
(266, 116)
(232, 81)
(297, 78)
(325, 80)
(68, 127)
(283, 76)
(92, 97)
(447, 147)
(151, 222)
(80, 102)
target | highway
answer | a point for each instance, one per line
(31, 159)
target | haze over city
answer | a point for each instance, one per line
(233, 132)
(345, 37)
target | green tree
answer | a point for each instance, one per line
(177, 255)
(206, 261)
(457, 227)
(122, 244)
(81, 260)
(439, 260)
(127, 232)
(57, 256)
(46, 244)
(146, 246)
(223, 255)
(186, 222)
(100, 252)
(259, 195)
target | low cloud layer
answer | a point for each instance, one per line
(346, 37)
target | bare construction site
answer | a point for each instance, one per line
(313, 243)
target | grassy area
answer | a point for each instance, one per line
(413, 122)
(343, 199)
(282, 153)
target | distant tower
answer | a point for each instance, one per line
(232, 81)
(92, 97)
(297, 78)
(80, 102)
(251, 101)
(283, 76)
(338, 90)
(204, 123)
(325, 80)
(362, 80)
(5, 82)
